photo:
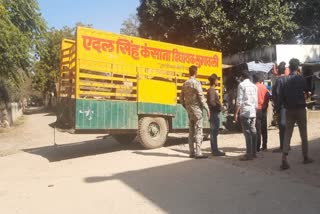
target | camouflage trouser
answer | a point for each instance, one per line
(195, 135)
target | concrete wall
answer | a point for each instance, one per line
(266, 54)
(14, 112)
(276, 53)
(305, 53)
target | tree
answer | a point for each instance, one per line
(307, 17)
(256, 24)
(197, 23)
(46, 69)
(130, 26)
(21, 27)
(10, 92)
(227, 25)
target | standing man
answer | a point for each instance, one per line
(193, 100)
(215, 109)
(247, 102)
(279, 104)
(261, 117)
(293, 95)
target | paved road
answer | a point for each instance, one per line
(89, 174)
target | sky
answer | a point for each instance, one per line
(105, 15)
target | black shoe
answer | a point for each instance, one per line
(201, 156)
(218, 153)
(264, 149)
(284, 165)
(307, 160)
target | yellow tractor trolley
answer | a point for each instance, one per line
(128, 86)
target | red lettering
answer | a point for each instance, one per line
(87, 42)
(127, 47)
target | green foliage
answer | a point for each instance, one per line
(307, 16)
(4, 91)
(197, 23)
(229, 25)
(46, 70)
(11, 92)
(256, 24)
(21, 26)
(130, 26)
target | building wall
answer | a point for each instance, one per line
(266, 54)
(305, 53)
(276, 53)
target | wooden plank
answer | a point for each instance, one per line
(106, 85)
(157, 75)
(94, 76)
(106, 94)
(113, 72)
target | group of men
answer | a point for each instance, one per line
(194, 101)
(289, 97)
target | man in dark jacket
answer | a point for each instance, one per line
(215, 109)
(279, 104)
(293, 95)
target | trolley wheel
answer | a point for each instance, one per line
(152, 132)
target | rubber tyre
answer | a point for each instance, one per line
(152, 132)
(124, 138)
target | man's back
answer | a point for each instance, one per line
(247, 98)
(263, 96)
(190, 89)
(277, 90)
(192, 98)
(293, 93)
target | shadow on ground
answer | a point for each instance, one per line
(80, 149)
(206, 186)
(101, 145)
(269, 163)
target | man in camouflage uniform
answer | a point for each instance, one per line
(193, 101)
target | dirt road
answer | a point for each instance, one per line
(89, 174)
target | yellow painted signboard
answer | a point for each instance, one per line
(97, 47)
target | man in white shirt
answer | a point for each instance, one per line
(247, 103)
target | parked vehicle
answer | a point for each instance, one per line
(128, 86)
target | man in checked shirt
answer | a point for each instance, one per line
(247, 103)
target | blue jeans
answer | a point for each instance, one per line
(214, 130)
(250, 134)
